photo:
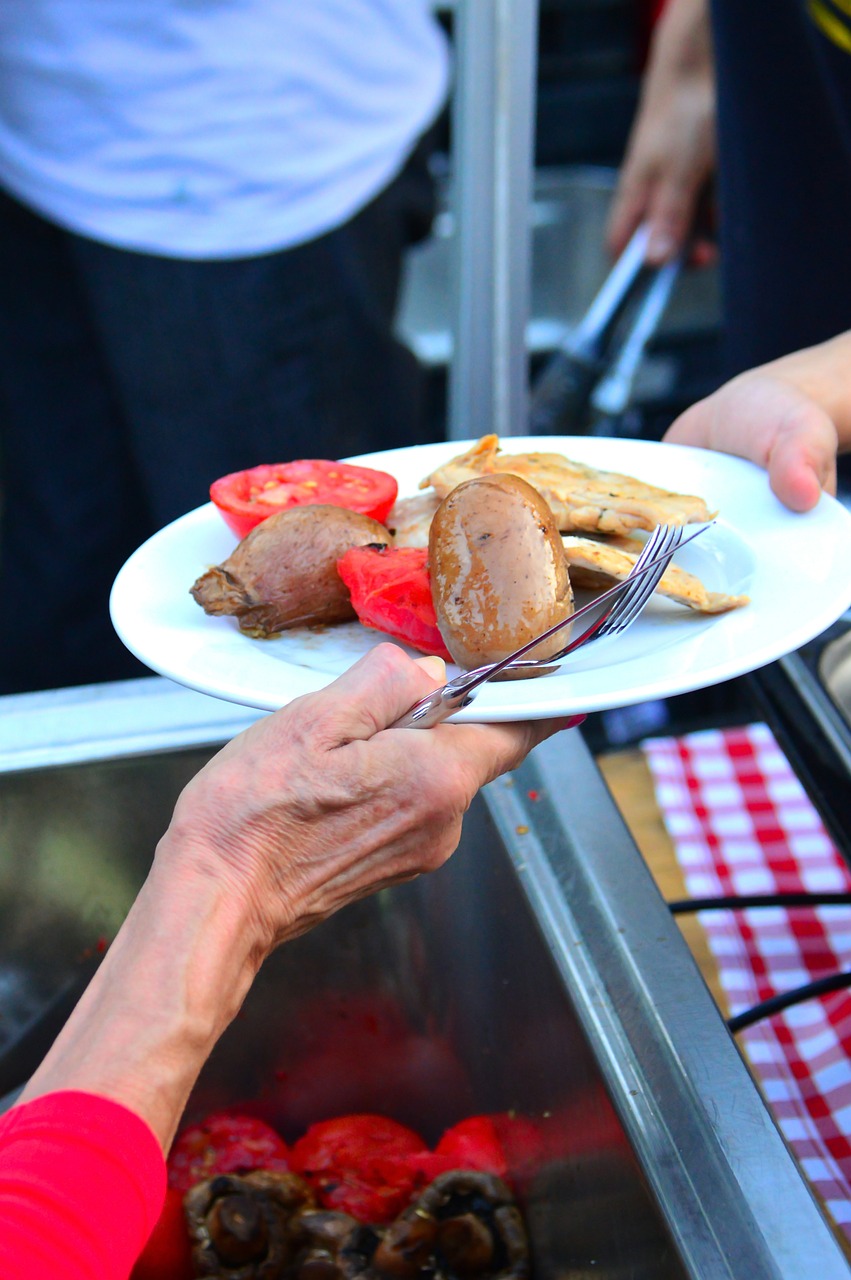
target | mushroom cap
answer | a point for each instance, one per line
(242, 1226)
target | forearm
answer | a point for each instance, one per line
(683, 37)
(671, 149)
(303, 813)
(169, 984)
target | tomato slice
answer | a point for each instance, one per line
(168, 1252)
(391, 592)
(224, 1143)
(360, 1164)
(245, 498)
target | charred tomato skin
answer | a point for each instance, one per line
(360, 1164)
(224, 1143)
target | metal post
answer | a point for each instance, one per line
(492, 170)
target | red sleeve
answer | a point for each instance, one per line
(82, 1182)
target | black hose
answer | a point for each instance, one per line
(776, 1004)
(738, 902)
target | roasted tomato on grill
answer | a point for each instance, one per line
(360, 1164)
(224, 1143)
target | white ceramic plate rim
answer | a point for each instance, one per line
(796, 569)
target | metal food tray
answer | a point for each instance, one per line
(538, 973)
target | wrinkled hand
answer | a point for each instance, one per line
(671, 152)
(766, 416)
(321, 803)
(309, 809)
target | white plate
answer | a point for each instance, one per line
(795, 568)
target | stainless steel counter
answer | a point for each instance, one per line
(538, 973)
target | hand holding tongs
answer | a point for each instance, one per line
(621, 605)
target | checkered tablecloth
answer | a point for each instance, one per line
(741, 823)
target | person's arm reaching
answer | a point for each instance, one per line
(791, 416)
(671, 151)
(310, 809)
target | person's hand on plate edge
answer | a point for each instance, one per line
(311, 808)
(320, 803)
(670, 156)
(791, 416)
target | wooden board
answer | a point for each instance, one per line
(631, 784)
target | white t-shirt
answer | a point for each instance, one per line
(211, 128)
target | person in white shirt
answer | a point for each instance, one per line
(204, 206)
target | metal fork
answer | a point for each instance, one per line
(621, 605)
(625, 607)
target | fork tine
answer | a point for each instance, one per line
(663, 542)
(461, 691)
(656, 545)
(632, 602)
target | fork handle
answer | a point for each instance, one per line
(434, 708)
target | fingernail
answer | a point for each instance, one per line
(574, 722)
(660, 246)
(435, 667)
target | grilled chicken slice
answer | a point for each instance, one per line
(582, 498)
(410, 519)
(595, 563)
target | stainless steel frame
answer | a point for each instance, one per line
(731, 1193)
(492, 164)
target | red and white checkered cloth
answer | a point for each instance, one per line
(741, 823)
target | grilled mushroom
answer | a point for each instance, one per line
(266, 1226)
(242, 1228)
(332, 1246)
(407, 1246)
(465, 1224)
(497, 570)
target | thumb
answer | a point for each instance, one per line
(374, 692)
(433, 666)
(802, 461)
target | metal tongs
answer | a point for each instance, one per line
(584, 377)
(619, 606)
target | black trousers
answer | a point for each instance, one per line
(129, 382)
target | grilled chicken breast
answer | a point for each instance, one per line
(581, 498)
(595, 563)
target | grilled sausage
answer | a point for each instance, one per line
(498, 573)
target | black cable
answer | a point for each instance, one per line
(737, 902)
(776, 1004)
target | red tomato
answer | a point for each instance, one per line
(245, 498)
(471, 1144)
(390, 592)
(474, 1144)
(224, 1143)
(168, 1253)
(359, 1164)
